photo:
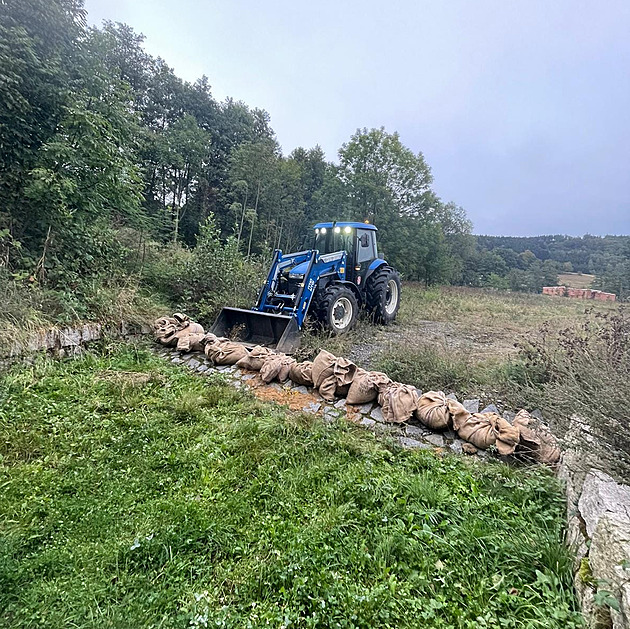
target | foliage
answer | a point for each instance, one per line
(214, 275)
(139, 495)
(528, 262)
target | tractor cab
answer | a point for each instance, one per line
(358, 240)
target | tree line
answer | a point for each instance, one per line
(528, 263)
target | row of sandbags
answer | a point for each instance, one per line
(334, 377)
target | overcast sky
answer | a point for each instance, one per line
(521, 108)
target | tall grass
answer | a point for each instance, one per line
(583, 372)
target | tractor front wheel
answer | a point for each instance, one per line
(382, 294)
(339, 309)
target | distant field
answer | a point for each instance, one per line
(576, 280)
(468, 324)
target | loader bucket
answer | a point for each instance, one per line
(252, 327)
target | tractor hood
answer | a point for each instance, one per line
(299, 270)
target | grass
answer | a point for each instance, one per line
(457, 339)
(137, 495)
(576, 280)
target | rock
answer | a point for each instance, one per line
(366, 422)
(248, 376)
(407, 442)
(419, 392)
(69, 337)
(509, 416)
(312, 407)
(452, 396)
(491, 408)
(472, 406)
(436, 440)
(449, 435)
(301, 389)
(193, 363)
(415, 432)
(537, 414)
(202, 368)
(469, 448)
(377, 415)
(90, 332)
(176, 360)
(609, 558)
(277, 386)
(457, 446)
(601, 495)
(340, 403)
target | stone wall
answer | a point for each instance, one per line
(598, 529)
(68, 341)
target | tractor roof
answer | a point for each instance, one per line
(345, 224)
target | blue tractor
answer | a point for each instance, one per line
(339, 275)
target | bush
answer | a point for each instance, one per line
(217, 275)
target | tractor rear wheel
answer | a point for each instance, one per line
(338, 309)
(382, 294)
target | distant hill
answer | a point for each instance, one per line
(587, 254)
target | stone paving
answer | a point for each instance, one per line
(410, 435)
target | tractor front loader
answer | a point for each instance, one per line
(332, 281)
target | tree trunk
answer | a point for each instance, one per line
(240, 229)
(251, 233)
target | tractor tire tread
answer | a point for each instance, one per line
(375, 286)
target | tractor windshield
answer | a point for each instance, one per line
(330, 240)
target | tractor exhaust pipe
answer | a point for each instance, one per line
(251, 327)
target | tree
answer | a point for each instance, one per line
(382, 176)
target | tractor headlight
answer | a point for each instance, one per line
(337, 230)
(296, 276)
(322, 230)
(348, 229)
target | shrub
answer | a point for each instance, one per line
(218, 275)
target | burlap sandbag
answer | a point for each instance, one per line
(331, 375)
(162, 322)
(180, 317)
(191, 342)
(398, 402)
(486, 429)
(225, 352)
(255, 359)
(365, 386)
(432, 410)
(323, 366)
(276, 367)
(458, 412)
(536, 440)
(302, 373)
(165, 327)
(188, 327)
